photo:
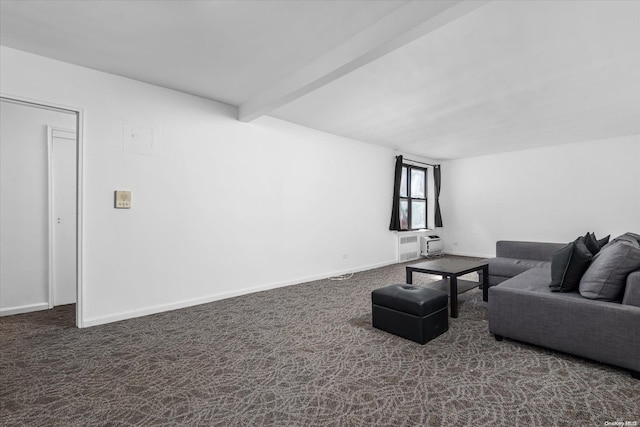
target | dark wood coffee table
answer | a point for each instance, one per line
(450, 269)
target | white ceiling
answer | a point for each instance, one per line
(511, 75)
(441, 79)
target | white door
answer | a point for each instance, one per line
(25, 235)
(63, 210)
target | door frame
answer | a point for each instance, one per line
(79, 113)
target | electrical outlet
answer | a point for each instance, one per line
(122, 199)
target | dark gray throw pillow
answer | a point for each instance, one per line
(568, 265)
(603, 241)
(605, 278)
(592, 243)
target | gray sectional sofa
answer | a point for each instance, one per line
(521, 306)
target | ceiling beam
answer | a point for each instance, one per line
(405, 24)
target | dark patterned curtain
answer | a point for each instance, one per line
(436, 181)
(395, 210)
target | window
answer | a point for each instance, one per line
(413, 198)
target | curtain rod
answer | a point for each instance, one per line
(422, 163)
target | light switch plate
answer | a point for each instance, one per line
(122, 199)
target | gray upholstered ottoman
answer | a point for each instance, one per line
(412, 312)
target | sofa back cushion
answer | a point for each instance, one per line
(606, 276)
(509, 267)
(539, 251)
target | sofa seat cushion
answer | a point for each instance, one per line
(535, 280)
(509, 267)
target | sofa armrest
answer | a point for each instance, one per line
(540, 251)
(632, 289)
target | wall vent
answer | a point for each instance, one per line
(409, 245)
(408, 239)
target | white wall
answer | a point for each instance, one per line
(224, 208)
(548, 194)
(24, 247)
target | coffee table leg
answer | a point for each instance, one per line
(453, 283)
(409, 276)
(485, 283)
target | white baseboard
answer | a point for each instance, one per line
(220, 296)
(9, 311)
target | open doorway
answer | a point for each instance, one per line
(40, 164)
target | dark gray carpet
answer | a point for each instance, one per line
(303, 355)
